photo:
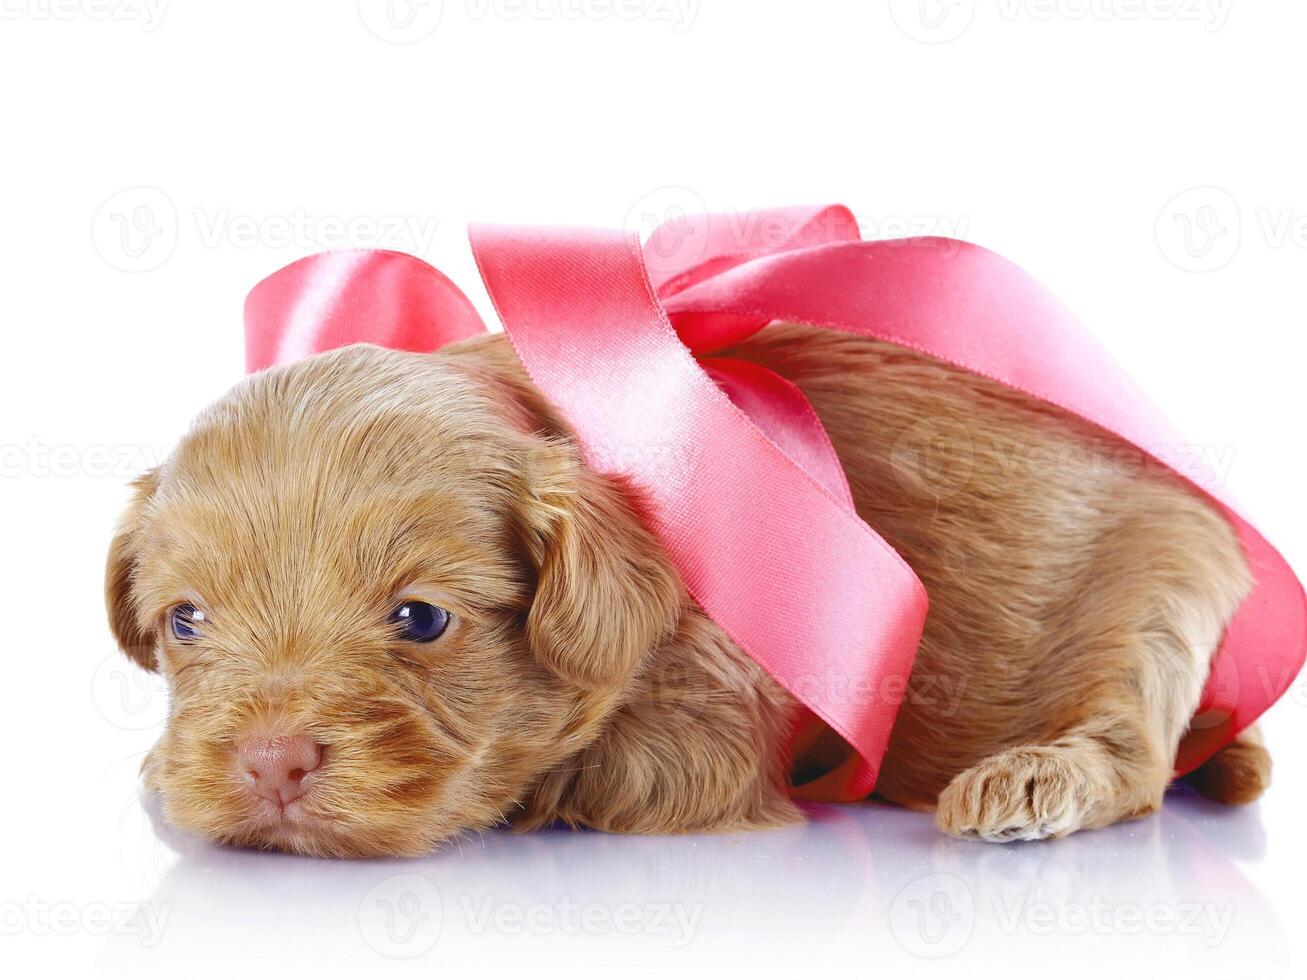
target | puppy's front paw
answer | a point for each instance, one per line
(1028, 793)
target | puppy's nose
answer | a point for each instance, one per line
(275, 767)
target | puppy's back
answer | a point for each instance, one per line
(1047, 546)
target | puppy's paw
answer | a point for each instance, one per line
(1028, 793)
(1238, 774)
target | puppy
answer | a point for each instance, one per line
(393, 605)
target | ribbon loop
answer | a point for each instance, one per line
(354, 296)
(689, 249)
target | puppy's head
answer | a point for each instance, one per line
(387, 598)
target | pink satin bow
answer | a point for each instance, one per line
(740, 481)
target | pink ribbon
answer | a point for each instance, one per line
(738, 478)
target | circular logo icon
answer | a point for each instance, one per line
(1199, 230)
(400, 916)
(933, 21)
(1220, 693)
(933, 460)
(127, 696)
(401, 21)
(671, 694)
(677, 214)
(933, 917)
(135, 230)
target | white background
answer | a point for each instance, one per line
(1144, 158)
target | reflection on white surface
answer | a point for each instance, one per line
(864, 891)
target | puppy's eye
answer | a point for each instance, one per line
(420, 622)
(185, 621)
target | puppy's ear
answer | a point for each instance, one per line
(606, 593)
(120, 574)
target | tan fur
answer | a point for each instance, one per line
(1077, 595)
(1237, 774)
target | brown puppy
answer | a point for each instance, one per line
(393, 605)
